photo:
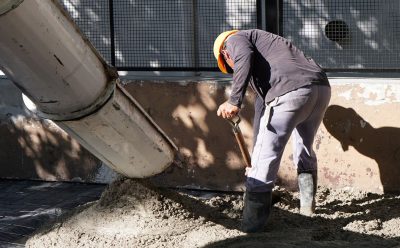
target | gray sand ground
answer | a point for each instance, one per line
(132, 213)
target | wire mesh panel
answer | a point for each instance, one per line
(153, 34)
(92, 16)
(215, 17)
(159, 34)
(343, 34)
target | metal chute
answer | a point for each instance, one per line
(44, 53)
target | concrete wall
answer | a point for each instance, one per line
(358, 144)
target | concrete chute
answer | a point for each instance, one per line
(45, 54)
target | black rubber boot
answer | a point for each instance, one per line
(275, 198)
(308, 189)
(257, 208)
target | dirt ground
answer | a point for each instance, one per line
(133, 213)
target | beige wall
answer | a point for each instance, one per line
(358, 144)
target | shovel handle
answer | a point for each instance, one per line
(243, 148)
(240, 140)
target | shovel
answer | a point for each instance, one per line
(239, 138)
(276, 196)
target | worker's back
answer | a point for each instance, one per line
(278, 66)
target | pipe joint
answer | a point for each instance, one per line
(78, 114)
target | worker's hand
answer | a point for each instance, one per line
(227, 110)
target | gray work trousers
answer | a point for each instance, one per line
(298, 112)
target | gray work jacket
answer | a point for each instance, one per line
(271, 64)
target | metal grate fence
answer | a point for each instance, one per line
(179, 34)
(214, 17)
(343, 34)
(160, 34)
(93, 17)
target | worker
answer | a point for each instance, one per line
(292, 93)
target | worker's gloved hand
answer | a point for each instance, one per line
(227, 110)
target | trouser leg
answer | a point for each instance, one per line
(276, 125)
(304, 157)
(303, 154)
(259, 108)
(257, 201)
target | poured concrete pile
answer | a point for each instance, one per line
(132, 213)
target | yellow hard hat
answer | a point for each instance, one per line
(218, 43)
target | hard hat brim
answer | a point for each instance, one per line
(222, 64)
